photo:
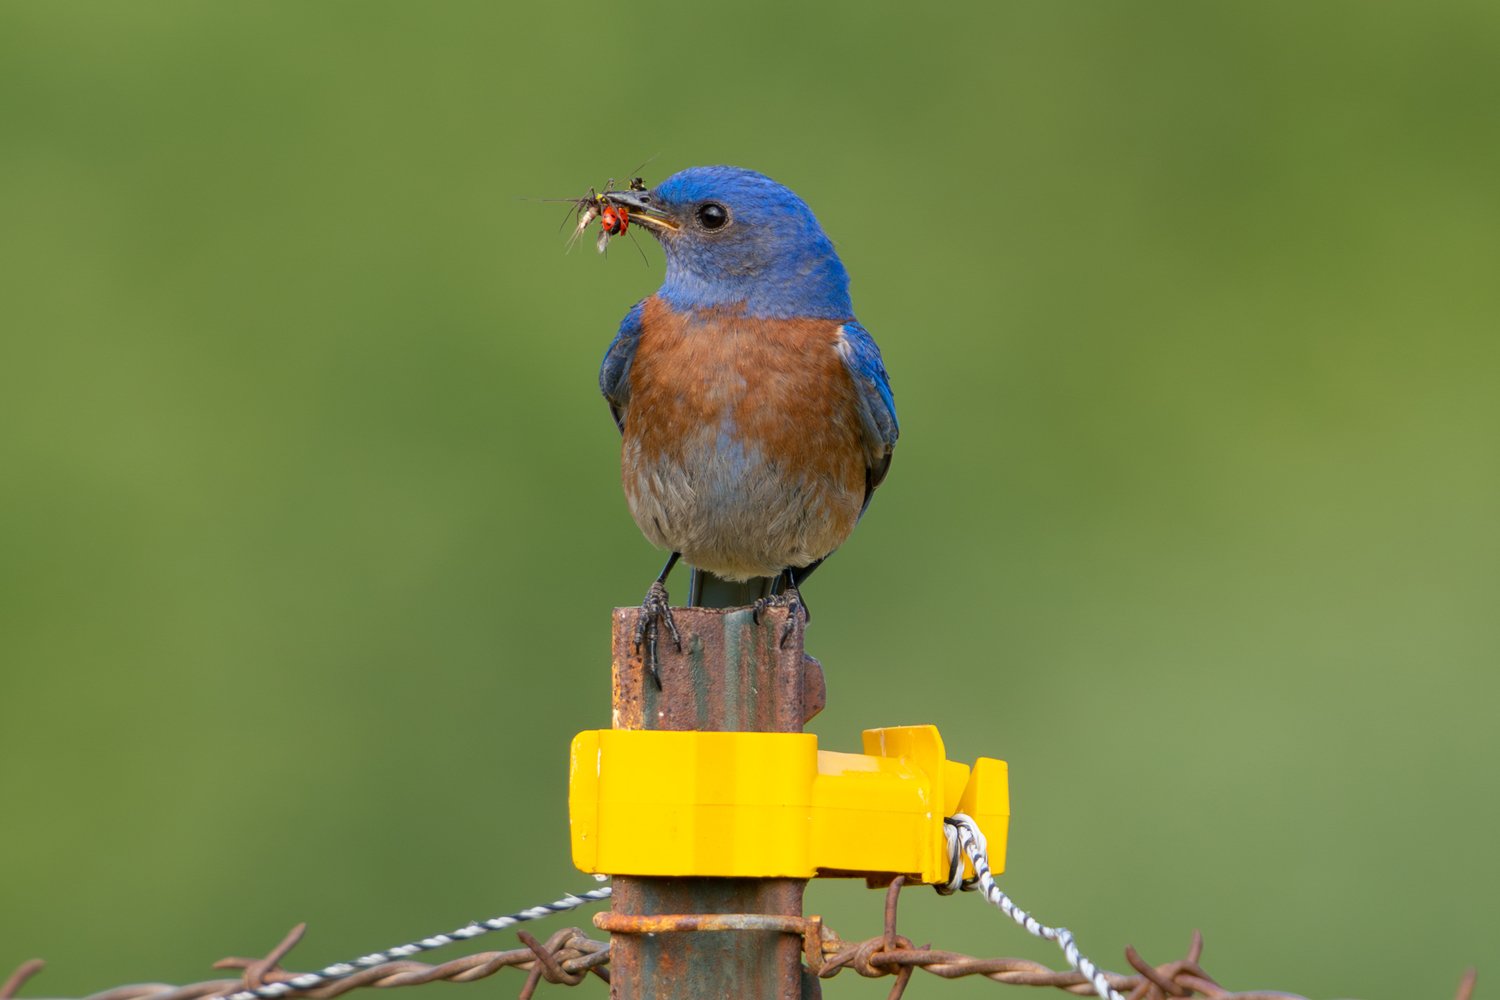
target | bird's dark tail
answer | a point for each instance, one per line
(708, 591)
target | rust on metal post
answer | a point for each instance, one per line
(733, 674)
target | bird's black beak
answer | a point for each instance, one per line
(644, 207)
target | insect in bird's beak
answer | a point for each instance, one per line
(639, 202)
(615, 211)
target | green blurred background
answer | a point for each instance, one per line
(310, 518)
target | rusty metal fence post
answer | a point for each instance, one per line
(732, 674)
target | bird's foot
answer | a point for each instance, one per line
(796, 611)
(656, 611)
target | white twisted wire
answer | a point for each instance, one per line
(962, 832)
(340, 970)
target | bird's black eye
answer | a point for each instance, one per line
(712, 215)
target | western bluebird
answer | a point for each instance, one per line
(756, 412)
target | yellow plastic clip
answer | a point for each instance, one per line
(765, 805)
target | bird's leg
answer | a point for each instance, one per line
(797, 614)
(656, 611)
(772, 597)
(786, 595)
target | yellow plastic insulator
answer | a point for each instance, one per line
(766, 805)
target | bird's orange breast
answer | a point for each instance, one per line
(742, 437)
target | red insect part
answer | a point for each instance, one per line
(614, 219)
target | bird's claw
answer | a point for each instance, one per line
(796, 611)
(656, 610)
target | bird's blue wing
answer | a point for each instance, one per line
(614, 373)
(877, 407)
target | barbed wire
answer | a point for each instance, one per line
(566, 957)
(569, 956)
(342, 970)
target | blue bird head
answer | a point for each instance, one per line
(735, 238)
